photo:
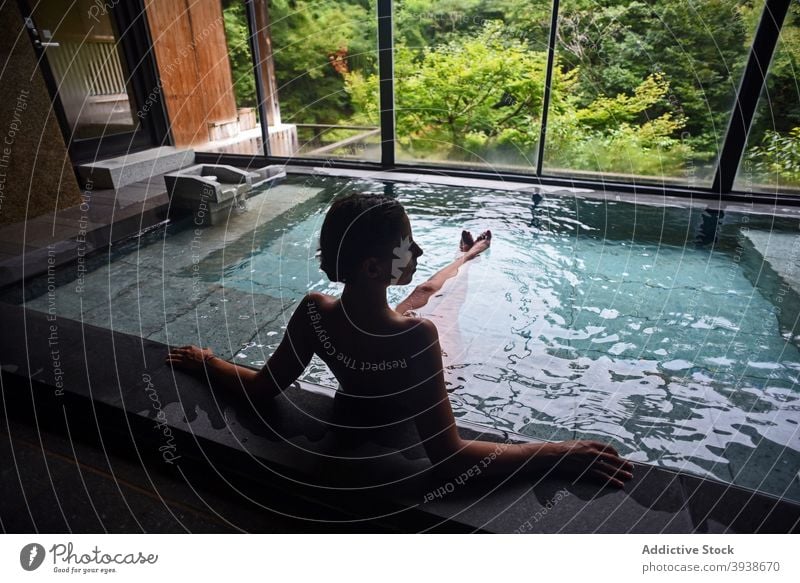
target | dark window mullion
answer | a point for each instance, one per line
(750, 88)
(386, 76)
(548, 79)
(252, 38)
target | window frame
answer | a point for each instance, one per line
(733, 145)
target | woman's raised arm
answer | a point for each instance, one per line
(423, 292)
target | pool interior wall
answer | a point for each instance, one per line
(660, 329)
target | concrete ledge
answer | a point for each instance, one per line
(119, 384)
(266, 174)
(75, 239)
(135, 167)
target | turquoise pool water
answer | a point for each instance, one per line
(594, 319)
(660, 329)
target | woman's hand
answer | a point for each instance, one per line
(582, 459)
(190, 359)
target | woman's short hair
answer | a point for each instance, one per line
(358, 226)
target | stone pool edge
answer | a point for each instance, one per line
(109, 379)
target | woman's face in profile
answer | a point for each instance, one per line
(406, 254)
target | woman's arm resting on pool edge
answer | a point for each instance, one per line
(283, 368)
(452, 455)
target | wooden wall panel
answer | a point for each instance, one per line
(192, 56)
(211, 54)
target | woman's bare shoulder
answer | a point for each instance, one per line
(320, 300)
(421, 338)
(419, 326)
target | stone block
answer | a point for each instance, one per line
(130, 168)
(267, 174)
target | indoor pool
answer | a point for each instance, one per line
(660, 329)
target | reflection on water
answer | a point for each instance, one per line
(654, 328)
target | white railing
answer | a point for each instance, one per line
(282, 142)
(317, 146)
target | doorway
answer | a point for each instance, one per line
(98, 96)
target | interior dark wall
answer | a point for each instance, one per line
(36, 174)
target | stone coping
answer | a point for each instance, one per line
(119, 384)
(702, 201)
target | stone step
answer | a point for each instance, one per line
(134, 167)
(775, 268)
(781, 251)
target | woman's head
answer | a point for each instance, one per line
(367, 237)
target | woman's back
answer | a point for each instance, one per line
(374, 359)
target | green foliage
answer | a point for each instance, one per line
(237, 36)
(305, 33)
(639, 87)
(480, 97)
(778, 155)
(420, 23)
(698, 46)
(780, 111)
(606, 136)
(462, 96)
(774, 151)
(487, 87)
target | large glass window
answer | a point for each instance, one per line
(644, 90)
(771, 162)
(469, 81)
(639, 91)
(319, 58)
